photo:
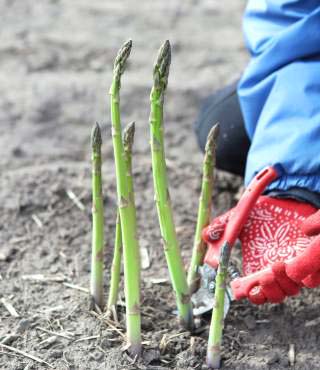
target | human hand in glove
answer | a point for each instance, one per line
(280, 249)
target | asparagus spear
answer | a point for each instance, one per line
(115, 269)
(126, 211)
(128, 138)
(96, 284)
(204, 210)
(165, 215)
(217, 320)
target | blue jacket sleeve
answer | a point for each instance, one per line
(280, 90)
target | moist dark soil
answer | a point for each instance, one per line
(56, 62)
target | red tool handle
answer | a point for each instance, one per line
(241, 212)
(241, 286)
(249, 197)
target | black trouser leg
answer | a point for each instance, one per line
(233, 142)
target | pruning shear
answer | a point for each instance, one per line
(203, 298)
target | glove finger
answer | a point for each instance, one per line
(213, 232)
(311, 226)
(271, 289)
(242, 286)
(289, 287)
(312, 281)
(306, 263)
(256, 295)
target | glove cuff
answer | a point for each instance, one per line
(299, 194)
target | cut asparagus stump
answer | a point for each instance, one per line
(204, 210)
(128, 138)
(217, 320)
(168, 232)
(96, 284)
(127, 212)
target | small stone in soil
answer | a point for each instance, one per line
(146, 324)
(284, 361)
(250, 322)
(9, 339)
(272, 357)
(16, 288)
(7, 254)
(54, 269)
(96, 356)
(57, 353)
(151, 355)
(23, 325)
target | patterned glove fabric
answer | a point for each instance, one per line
(280, 252)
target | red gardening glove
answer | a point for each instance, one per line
(278, 251)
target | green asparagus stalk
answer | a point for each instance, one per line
(168, 232)
(217, 320)
(96, 284)
(115, 269)
(128, 138)
(127, 212)
(204, 210)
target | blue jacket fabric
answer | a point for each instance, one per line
(280, 90)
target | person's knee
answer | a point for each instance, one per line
(233, 142)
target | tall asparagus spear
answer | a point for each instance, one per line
(126, 211)
(205, 205)
(217, 320)
(96, 284)
(168, 232)
(128, 138)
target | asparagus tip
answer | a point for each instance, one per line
(96, 139)
(212, 137)
(121, 58)
(225, 255)
(162, 66)
(128, 136)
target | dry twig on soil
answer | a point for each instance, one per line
(25, 354)
(9, 307)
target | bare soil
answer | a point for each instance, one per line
(55, 69)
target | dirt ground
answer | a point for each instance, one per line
(55, 71)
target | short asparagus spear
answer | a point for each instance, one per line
(128, 138)
(217, 320)
(205, 205)
(96, 284)
(168, 232)
(127, 212)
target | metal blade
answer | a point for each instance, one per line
(203, 298)
(203, 301)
